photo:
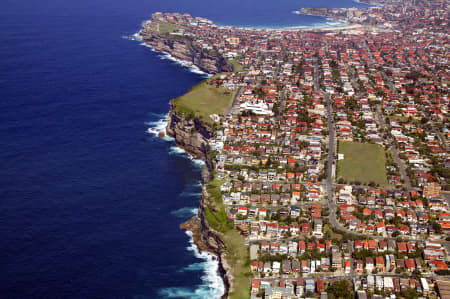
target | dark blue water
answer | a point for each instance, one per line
(90, 203)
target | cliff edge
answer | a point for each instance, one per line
(182, 47)
(192, 135)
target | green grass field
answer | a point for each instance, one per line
(239, 260)
(164, 28)
(362, 162)
(203, 100)
(237, 66)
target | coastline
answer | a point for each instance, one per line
(195, 226)
(205, 239)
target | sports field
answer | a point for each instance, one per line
(363, 162)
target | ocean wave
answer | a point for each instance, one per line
(212, 285)
(189, 65)
(211, 277)
(159, 115)
(166, 56)
(190, 194)
(185, 212)
(325, 24)
(175, 150)
(175, 292)
(159, 126)
(194, 267)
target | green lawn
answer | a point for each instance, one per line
(164, 28)
(203, 100)
(237, 66)
(362, 162)
(239, 260)
(216, 214)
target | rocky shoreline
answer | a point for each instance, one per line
(192, 136)
(184, 48)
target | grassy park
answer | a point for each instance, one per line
(203, 100)
(363, 162)
(237, 66)
(239, 260)
(164, 28)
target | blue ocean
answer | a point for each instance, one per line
(90, 198)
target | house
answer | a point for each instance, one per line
(369, 264)
(410, 265)
(381, 227)
(300, 286)
(255, 286)
(267, 267)
(279, 292)
(380, 264)
(336, 259)
(348, 267)
(388, 283)
(401, 246)
(242, 211)
(382, 246)
(306, 266)
(295, 212)
(359, 266)
(295, 266)
(310, 286)
(379, 282)
(320, 286)
(318, 227)
(286, 267)
(301, 247)
(276, 267)
(305, 228)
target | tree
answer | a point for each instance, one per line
(340, 289)
(410, 293)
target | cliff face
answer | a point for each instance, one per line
(184, 48)
(192, 135)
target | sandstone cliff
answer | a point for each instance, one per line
(185, 49)
(192, 135)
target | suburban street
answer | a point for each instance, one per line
(394, 151)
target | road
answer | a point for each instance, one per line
(390, 141)
(394, 152)
(235, 99)
(330, 162)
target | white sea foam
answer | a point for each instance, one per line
(157, 126)
(194, 267)
(195, 185)
(212, 285)
(166, 56)
(185, 212)
(175, 150)
(211, 277)
(189, 65)
(190, 194)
